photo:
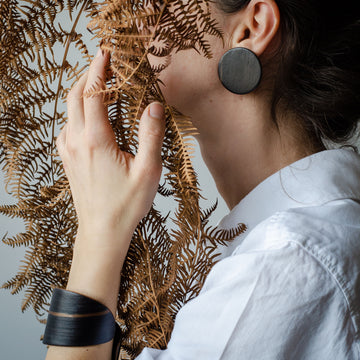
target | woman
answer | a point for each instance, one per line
(288, 288)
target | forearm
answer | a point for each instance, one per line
(95, 272)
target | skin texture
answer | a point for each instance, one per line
(238, 140)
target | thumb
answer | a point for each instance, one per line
(151, 137)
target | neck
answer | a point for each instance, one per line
(241, 151)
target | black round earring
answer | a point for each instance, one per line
(240, 70)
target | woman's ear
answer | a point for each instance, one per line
(257, 26)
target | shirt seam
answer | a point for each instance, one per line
(326, 268)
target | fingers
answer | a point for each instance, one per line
(151, 136)
(61, 142)
(96, 114)
(75, 106)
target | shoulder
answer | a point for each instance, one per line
(329, 234)
(318, 247)
(333, 227)
(278, 294)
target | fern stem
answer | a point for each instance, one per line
(153, 289)
(68, 42)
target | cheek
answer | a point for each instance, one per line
(189, 79)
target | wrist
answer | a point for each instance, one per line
(104, 237)
(106, 226)
(96, 278)
(96, 266)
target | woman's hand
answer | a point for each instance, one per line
(112, 191)
(110, 188)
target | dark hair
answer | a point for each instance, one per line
(318, 74)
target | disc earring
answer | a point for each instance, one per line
(240, 70)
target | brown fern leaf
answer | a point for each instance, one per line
(27, 136)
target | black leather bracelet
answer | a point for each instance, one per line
(77, 320)
(116, 343)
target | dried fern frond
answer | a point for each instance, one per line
(164, 267)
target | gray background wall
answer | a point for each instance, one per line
(20, 332)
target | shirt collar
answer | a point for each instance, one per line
(314, 180)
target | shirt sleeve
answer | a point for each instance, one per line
(278, 303)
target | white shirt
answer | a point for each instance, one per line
(289, 287)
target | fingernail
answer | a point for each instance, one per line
(99, 53)
(157, 110)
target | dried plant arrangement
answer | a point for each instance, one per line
(166, 265)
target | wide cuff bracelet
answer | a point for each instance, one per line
(77, 320)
